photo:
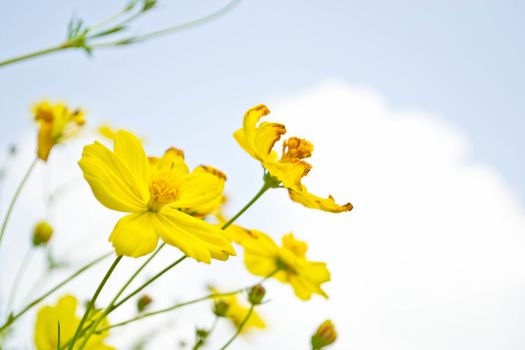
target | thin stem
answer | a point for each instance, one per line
(239, 329)
(15, 197)
(202, 341)
(33, 55)
(171, 308)
(263, 189)
(108, 309)
(12, 319)
(93, 300)
(18, 277)
(177, 28)
(151, 280)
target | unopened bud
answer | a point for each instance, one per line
(220, 307)
(42, 233)
(143, 302)
(325, 335)
(256, 294)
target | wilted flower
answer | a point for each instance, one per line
(158, 193)
(42, 233)
(258, 140)
(56, 124)
(48, 318)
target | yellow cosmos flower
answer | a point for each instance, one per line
(287, 263)
(158, 192)
(236, 313)
(259, 140)
(46, 326)
(56, 124)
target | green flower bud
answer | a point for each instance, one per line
(42, 233)
(220, 308)
(256, 294)
(143, 302)
(324, 336)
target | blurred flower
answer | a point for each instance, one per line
(290, 168)
(287, 264)
(144, 302)
(42, 233)
(159, 193)
(324, 336)
(57, 123)
(237, 312)
(46, 326)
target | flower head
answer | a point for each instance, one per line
(56, 124)
(236, 312)
(287, 263)
(324, 336)
(46, 326)
(258, 139)
(160, 193)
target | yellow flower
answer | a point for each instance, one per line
(46, 326)
(259, 139)
(42, 233)
(237, 312)
(56, 124)
(287, 263)
(158, 193)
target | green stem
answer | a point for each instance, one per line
(15, 197)
(18, 277)
(241, 326)
(263, 189)
(202, 341)
(32, 55)
(177, 28)
(108, 309)
(12, 319)
(93, 300)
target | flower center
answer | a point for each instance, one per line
(164, 188)
(296, 148)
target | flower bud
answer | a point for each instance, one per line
(143, 302)
(256, 294)
(220, 307)
(42, 233)
(325, 335)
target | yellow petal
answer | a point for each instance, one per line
(311, 201)
(45, 140)
(290, 172)
(191, 196)
(260, 253)
(46, 332)
(266, 135)
(297, 247)
(134, 235)
(129, 149)
(173, 158)
(308, 280)
(196, 238)
(110, 180)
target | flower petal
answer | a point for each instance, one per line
(111, 181)
(129, 149)
(134, 235)
(308, 280)
(198, 190)
(196, 238)
(312, 201)
(290, 172)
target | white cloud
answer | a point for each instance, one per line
(430, 258)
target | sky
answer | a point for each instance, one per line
(415, 111)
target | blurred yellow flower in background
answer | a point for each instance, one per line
(56, 124)
(259, 139)
(158, 192)
(236, 313)
(46, 326)
(287, 263)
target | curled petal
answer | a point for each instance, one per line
(196, 238)
(290, 172)
(110, 179)
(134, 235)
(301, 195)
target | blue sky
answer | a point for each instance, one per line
(460, 59)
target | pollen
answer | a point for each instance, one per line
(296, 148)
(164, 188)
